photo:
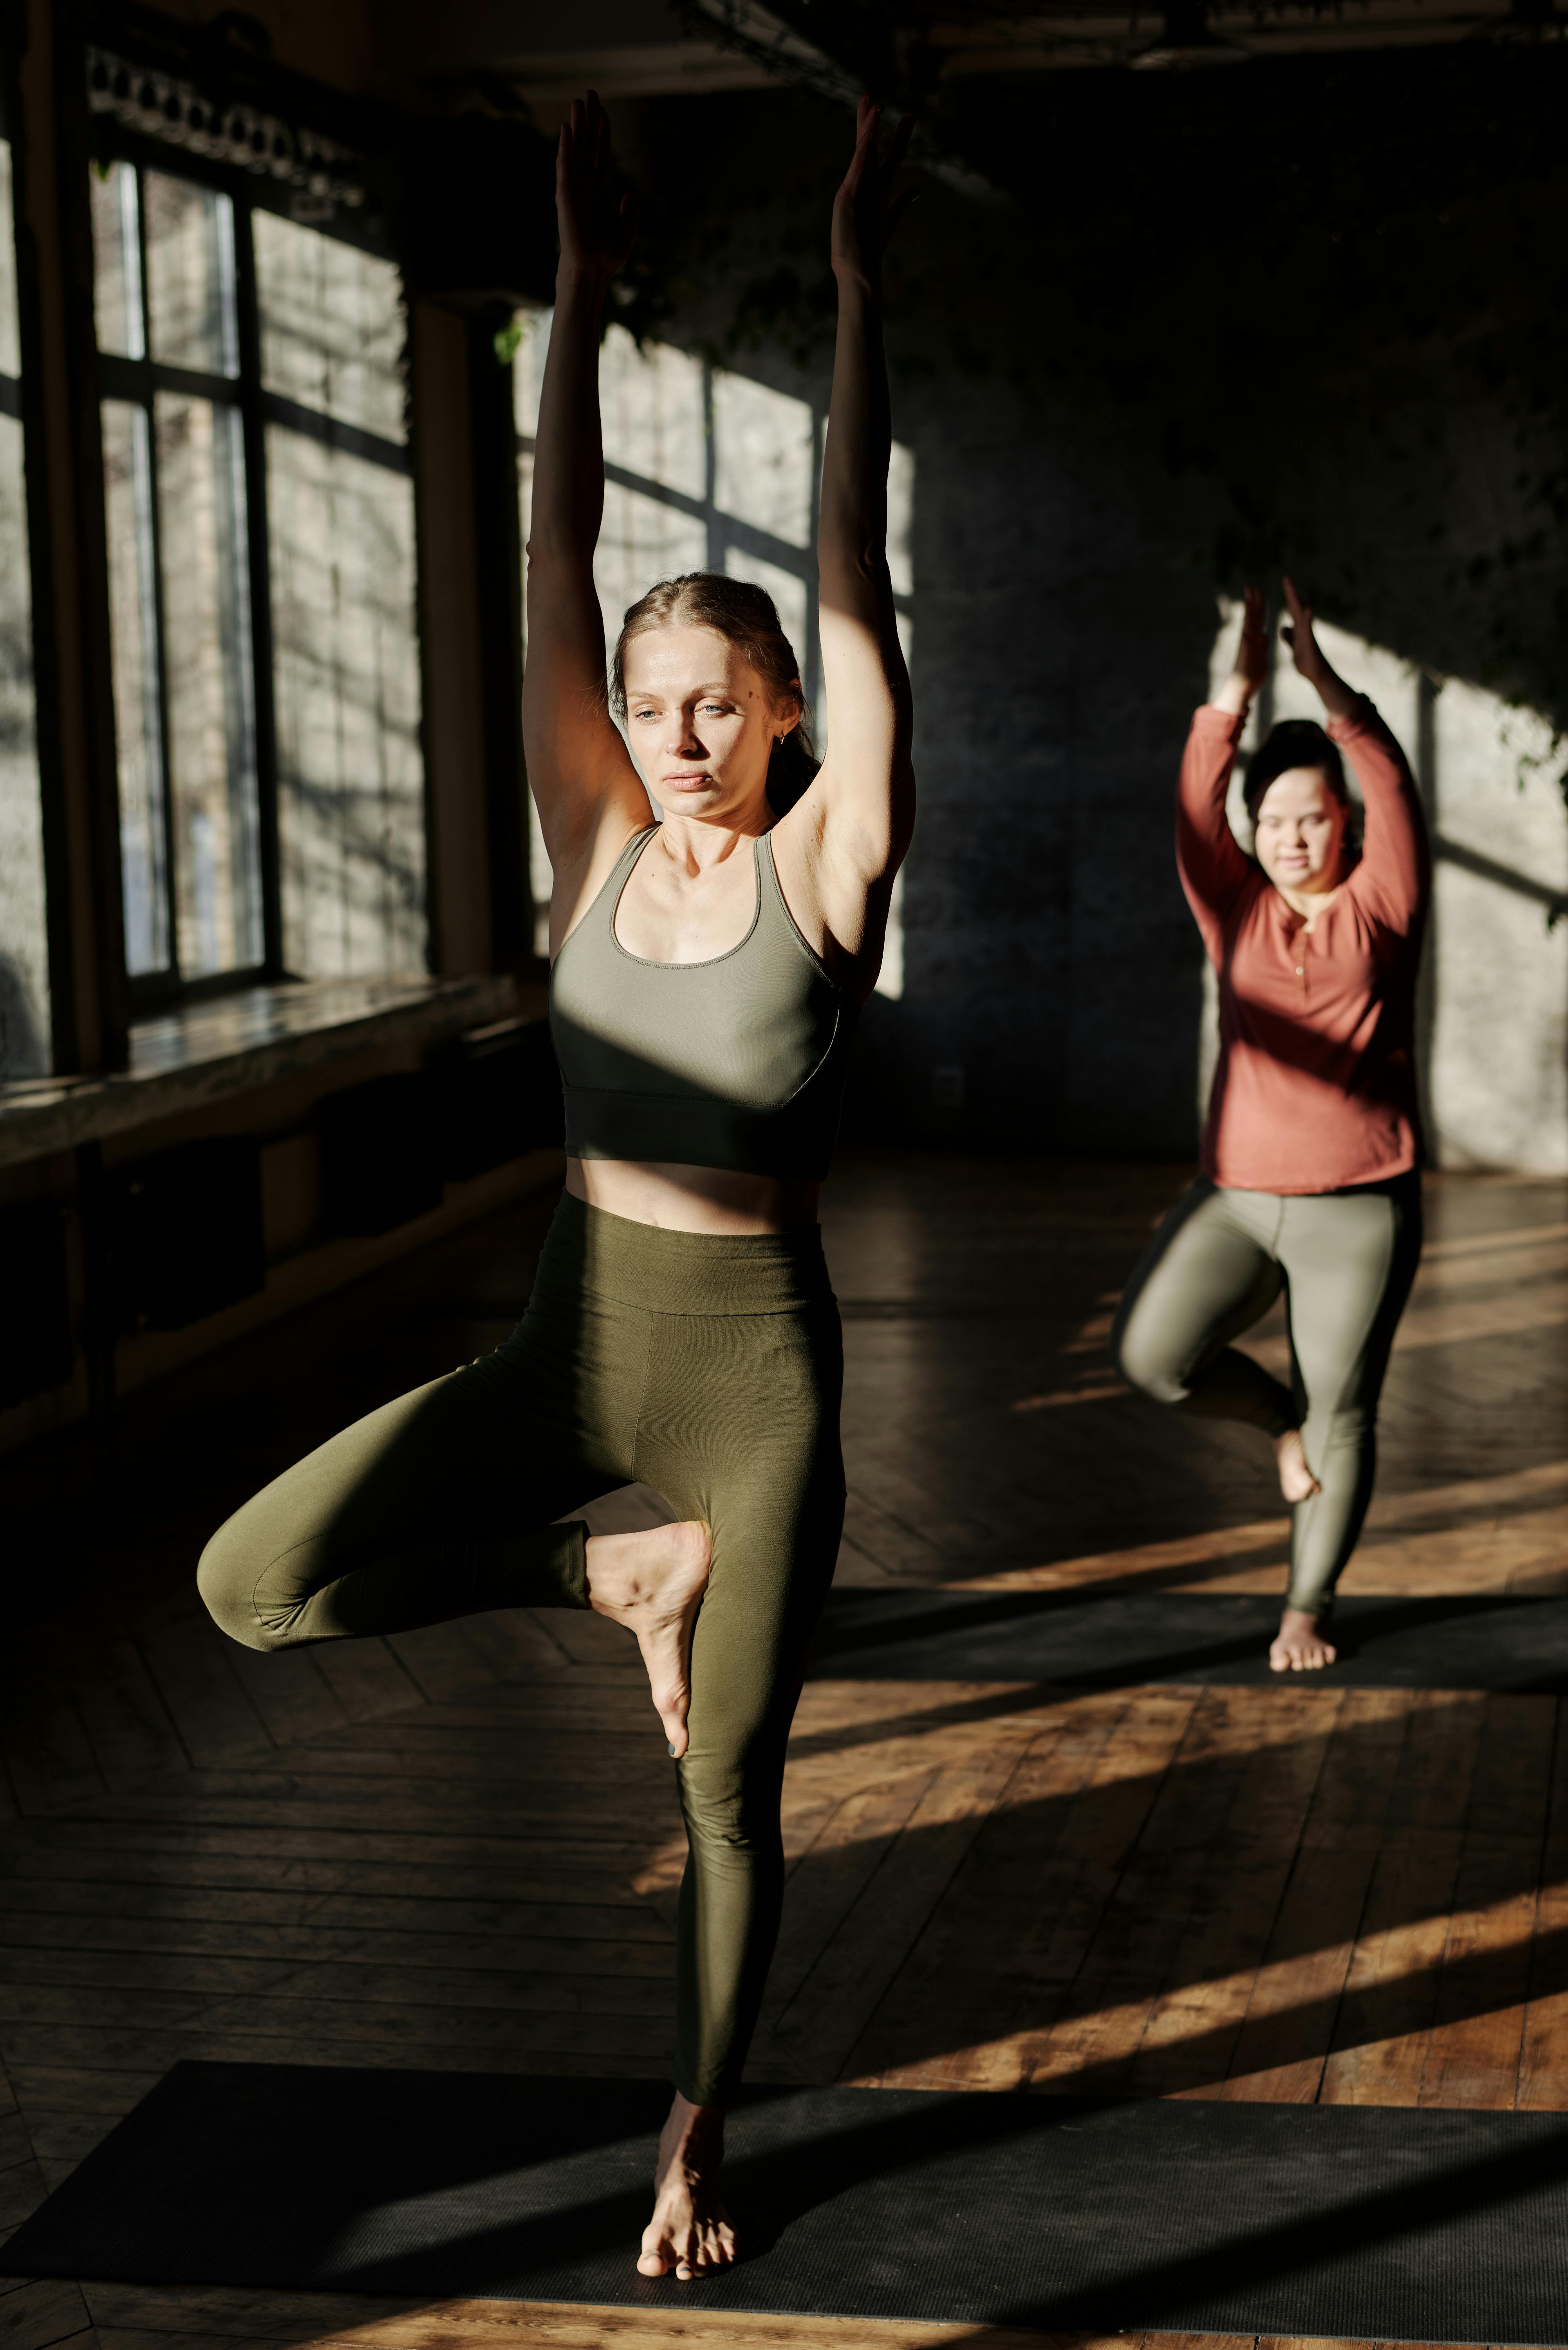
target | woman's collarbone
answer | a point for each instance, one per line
(686, 920)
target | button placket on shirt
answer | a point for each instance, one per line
(1298, 947)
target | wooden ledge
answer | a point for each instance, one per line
(229, 1045)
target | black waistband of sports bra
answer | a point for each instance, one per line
(587, 1250)
(793, 1141)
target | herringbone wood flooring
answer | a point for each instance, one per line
(443, 1849)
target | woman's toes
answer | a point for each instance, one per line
(658, 2255)
(671, 1702)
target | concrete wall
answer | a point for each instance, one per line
(1497, 1062)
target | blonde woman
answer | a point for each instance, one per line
(708, 967)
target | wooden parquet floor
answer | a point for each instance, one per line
(459, 1848)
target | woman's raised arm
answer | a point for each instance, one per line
(588, 794)
(1212, 869)
(861, 807)
(1394, 877)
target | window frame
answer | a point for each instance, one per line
(139, 381)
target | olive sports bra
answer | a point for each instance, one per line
(738, 1062)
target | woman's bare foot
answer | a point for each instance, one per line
(652, 1582)
(1299, 1647)
(690, 2231)
(1297, 1482)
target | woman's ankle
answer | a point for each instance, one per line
(694, 2131)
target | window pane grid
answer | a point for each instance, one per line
(350, 776)
(250, 363)
(350, 780)
(175, 509)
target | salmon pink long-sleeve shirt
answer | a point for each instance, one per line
(1315, 1087)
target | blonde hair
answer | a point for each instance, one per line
(747, 617)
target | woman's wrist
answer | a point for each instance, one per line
(580, 287)
(856, 284)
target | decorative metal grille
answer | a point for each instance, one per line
(322, 175)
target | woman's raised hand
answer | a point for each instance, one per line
(1251, 662)
(597, 222)
(1338, 698)
(1298, 634)
(865, 212)
(1251, 667)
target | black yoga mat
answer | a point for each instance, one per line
(1186, 2216)
(1117, 1641)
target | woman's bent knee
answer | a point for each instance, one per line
(1138, 1359)
(226, 1577)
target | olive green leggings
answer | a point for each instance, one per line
(1345, 1261)
(706, 1366)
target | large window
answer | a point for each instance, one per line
(24, 945)
(708, 470)
(260, 525)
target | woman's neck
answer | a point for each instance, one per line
(1308, 903)
(698, 844)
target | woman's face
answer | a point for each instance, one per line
(700, 721)
(1300, 831)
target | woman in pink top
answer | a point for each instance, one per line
(1312, 1149)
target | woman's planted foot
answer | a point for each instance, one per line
(1297, 1482)
(653, 1583)
(1299, 1645)
(690, 2234)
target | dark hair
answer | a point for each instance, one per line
(748, 617)
(1293, 742)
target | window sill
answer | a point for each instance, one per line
(230, 1044)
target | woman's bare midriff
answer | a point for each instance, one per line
(692, 1199)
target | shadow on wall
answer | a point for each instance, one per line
(1493, 1010)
